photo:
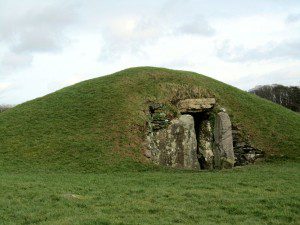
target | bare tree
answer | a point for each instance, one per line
(5, 107)
(287, 96)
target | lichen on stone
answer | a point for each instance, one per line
(195, 135)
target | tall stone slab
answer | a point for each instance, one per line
(176, 145)
(205, 145)
(223, 144)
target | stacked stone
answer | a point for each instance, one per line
(159, 118)
(244, 153)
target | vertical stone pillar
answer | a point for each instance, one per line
(176, 145)
(223, 144)
(187, 138)
(205, 145)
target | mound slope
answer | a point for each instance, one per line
(99, 125)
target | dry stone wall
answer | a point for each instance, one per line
(244, 152)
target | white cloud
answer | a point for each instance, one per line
(293, 18)
(37, 29)
(4, 86)
(288, 49)
(285, 75)
(46, 45)
(12, 61)
(129, 34)
(199, 26)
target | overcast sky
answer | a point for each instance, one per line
(47, 45)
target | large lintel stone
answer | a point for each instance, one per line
(196, 105)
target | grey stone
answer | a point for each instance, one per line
(176, 145)
(223, 145)
(243, 151)
(206, 145)
(250, 157)
(147, 153)
(196, 105)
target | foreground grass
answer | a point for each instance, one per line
(259, 194)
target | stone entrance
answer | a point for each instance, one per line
(200, 110)
(199, 138)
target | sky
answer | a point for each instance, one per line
(47, 45)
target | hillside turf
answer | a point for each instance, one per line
(98, 125)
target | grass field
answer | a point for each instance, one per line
(259, 194)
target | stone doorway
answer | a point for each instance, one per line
(200, 137)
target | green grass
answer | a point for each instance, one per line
(99, 125)
(259, 194)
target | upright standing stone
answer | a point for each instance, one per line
(223, 149)
(176, 145)
(205, 145)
